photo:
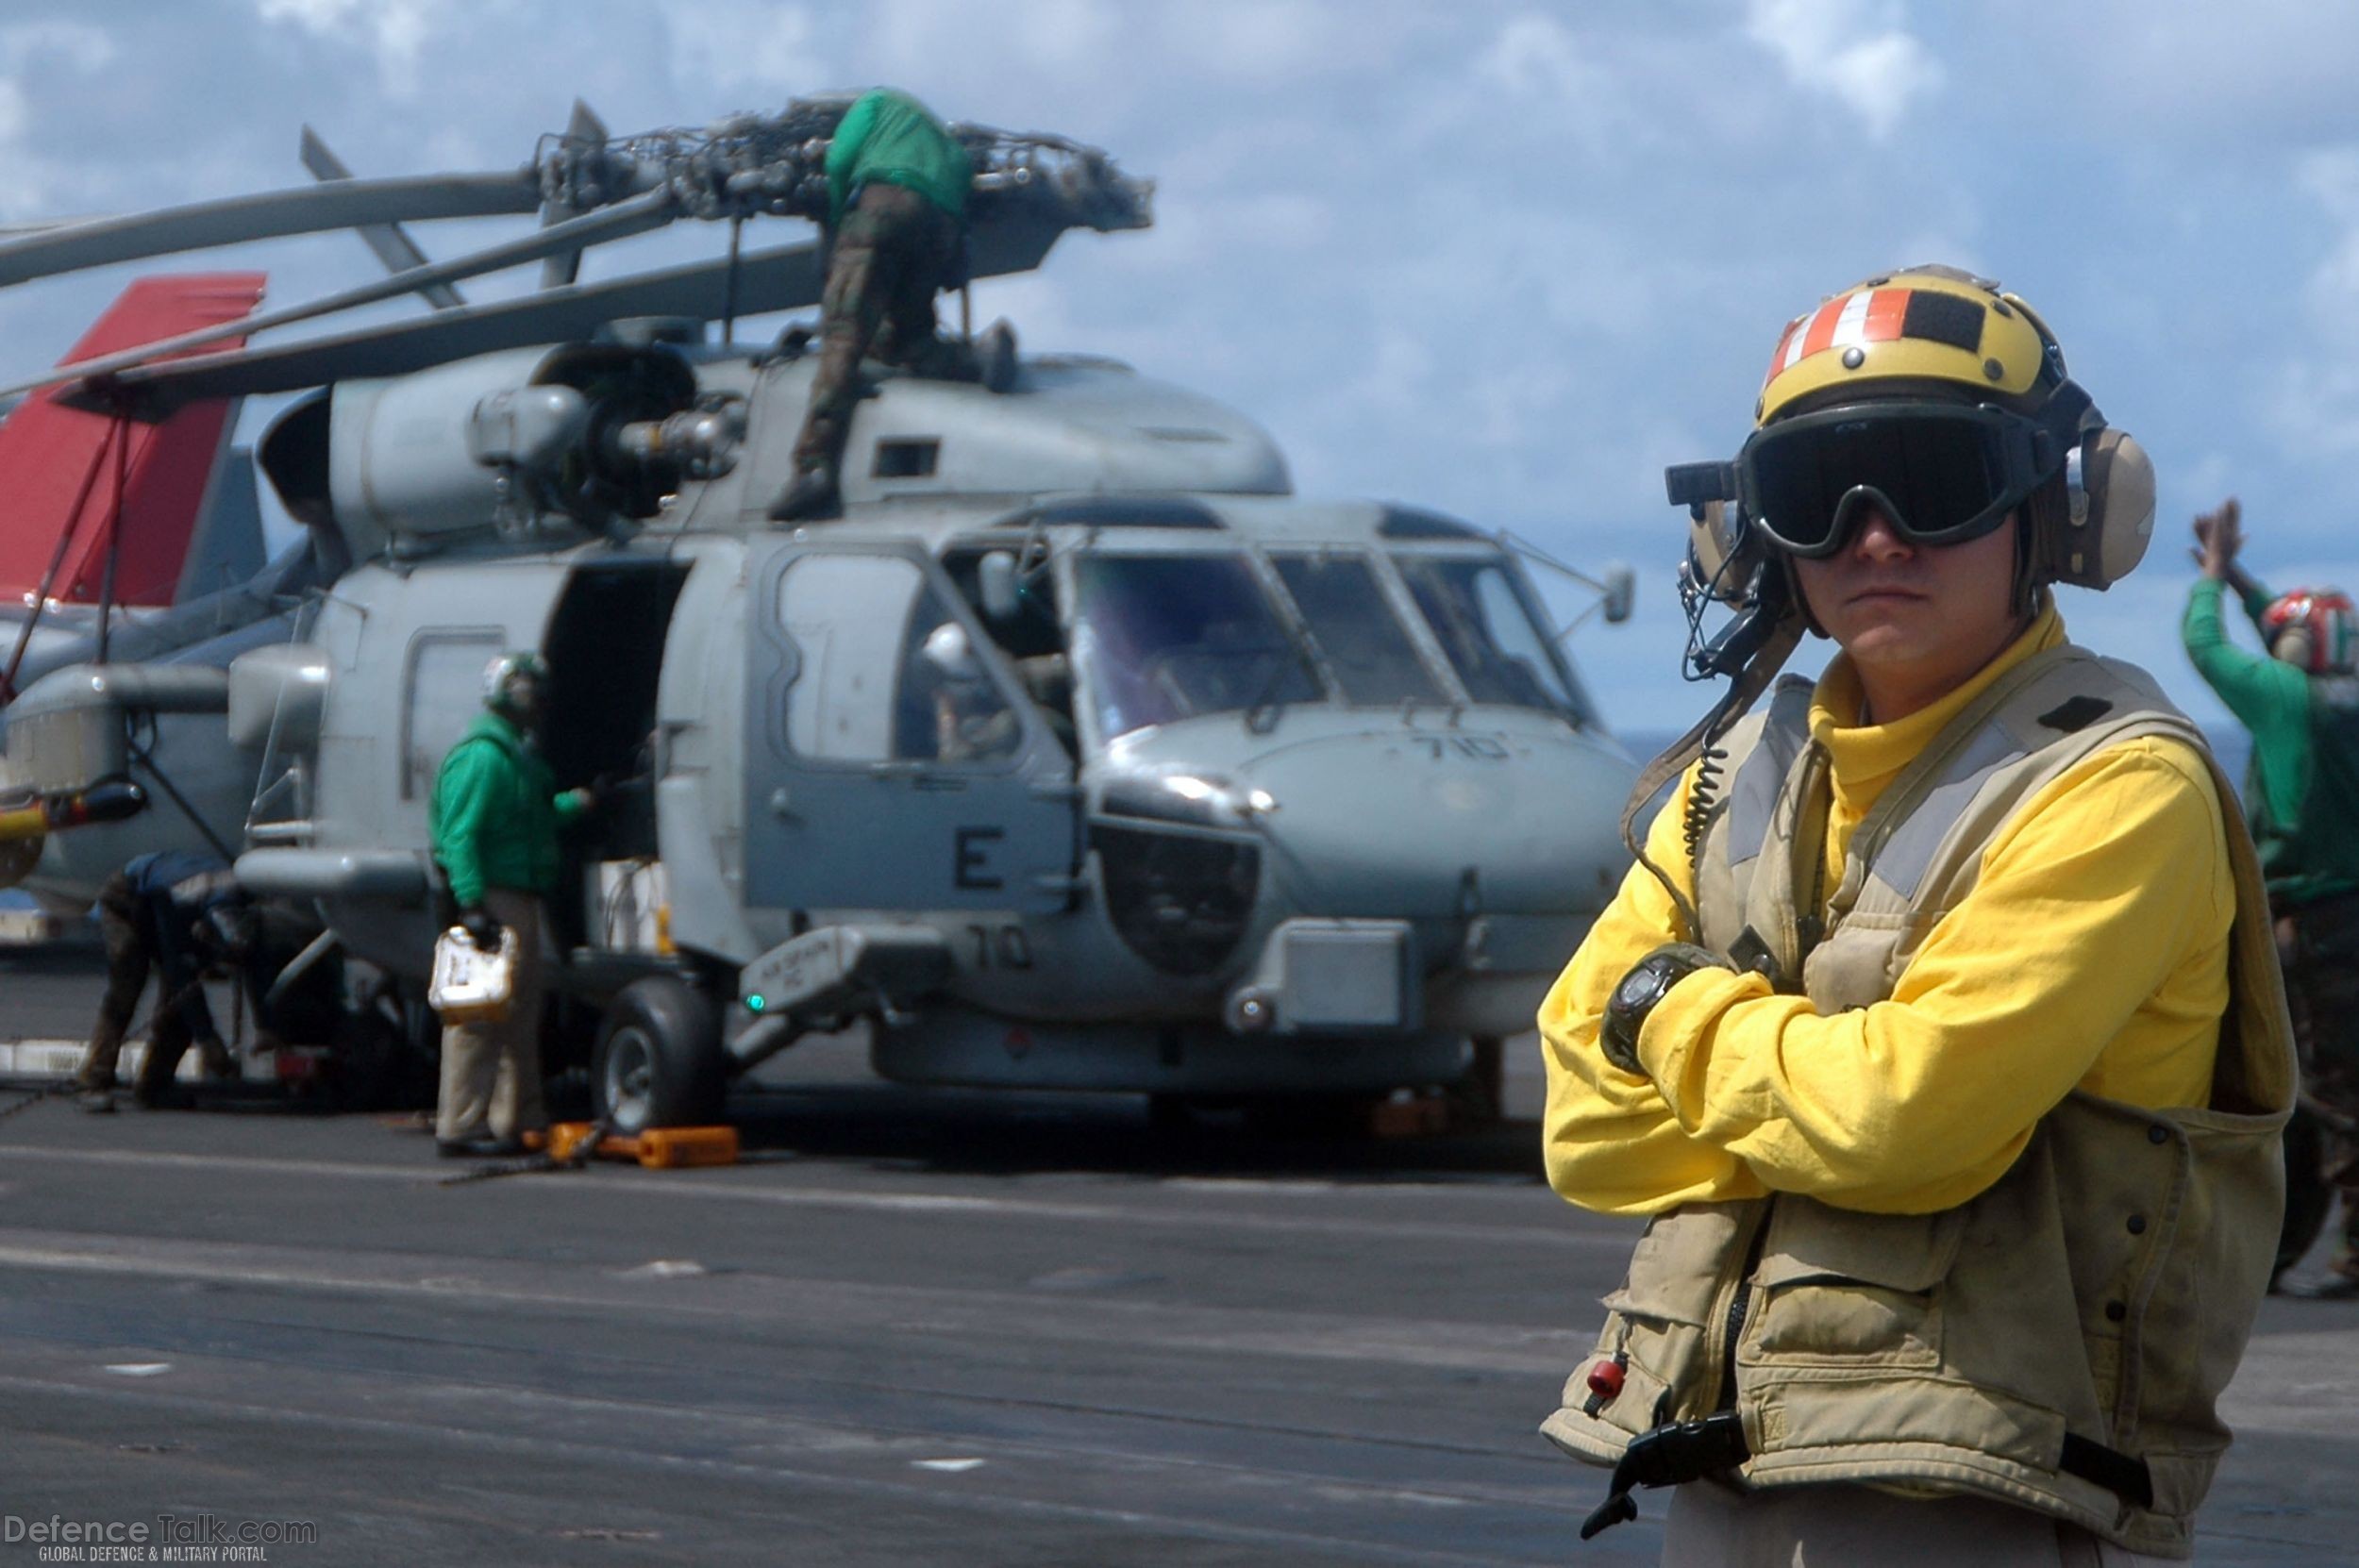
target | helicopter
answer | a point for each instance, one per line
(1079, 752)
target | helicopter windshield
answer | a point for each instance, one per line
(1368, 648)
(1162, 638)
(1483, 623)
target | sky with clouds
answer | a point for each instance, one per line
(1503, 258)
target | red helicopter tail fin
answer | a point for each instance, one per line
(60, 466)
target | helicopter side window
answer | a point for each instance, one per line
(1162, 637)
(1482, 622)
(1354, 623)
(896, 679)
(839, 706)
(441, 692)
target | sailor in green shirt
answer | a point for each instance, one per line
(897, 184)
(2301, 798)
(494, 820)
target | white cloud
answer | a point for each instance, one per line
(1535, 56)
(395, 33)
(1047, 36)
(1269, 42)
(1850, 51)
(764, 53)
(23, 185)
(77, 45)
(2316, 394)
(32, 182)
(2331, 177)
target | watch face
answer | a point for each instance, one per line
(1636, 987)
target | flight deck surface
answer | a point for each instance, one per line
(914, 1326)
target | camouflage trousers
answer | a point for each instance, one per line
(181, 1017)
(2318, 945)
(895, 251)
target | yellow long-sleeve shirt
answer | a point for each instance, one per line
(2092, 953)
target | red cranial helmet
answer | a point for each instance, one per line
(2328, 623)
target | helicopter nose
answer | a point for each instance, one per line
(1435, 825)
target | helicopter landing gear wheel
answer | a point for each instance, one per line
(384, 1051)
(659, 1062)
(1479, 1099)
(1327, 1118)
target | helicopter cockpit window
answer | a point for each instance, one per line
(1482, 622)
(1162, 638)
(1365, 644)
(886, 672)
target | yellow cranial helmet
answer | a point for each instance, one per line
(1920, 329)
(1943, 399)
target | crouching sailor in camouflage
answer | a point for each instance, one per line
(896, 196)
(1940, 1037)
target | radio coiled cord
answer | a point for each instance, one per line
(1748, 684)
(1703, 796)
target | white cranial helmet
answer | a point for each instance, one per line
(948, 651)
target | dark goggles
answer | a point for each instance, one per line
(1941, 473)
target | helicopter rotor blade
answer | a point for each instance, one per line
(585, 129)
(783, 279)
(391, 241)
(18, 228)
(307, 210)
(635, 216)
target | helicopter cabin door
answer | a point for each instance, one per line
(893, 760)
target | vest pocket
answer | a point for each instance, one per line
(1676, 1269)
(1844, 1289)
(1660, 1321)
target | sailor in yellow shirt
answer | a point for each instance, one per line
(1938, 1032)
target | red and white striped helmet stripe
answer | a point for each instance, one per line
(1869, 316)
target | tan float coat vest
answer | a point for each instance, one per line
(2102, 1289)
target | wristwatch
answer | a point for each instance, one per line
(1649, 981)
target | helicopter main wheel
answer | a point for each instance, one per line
(659, 1062)
(1479, 1099)
(1271, 1116)
(1320, 1116)
(384, 1052)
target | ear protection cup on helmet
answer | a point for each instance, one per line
(1711, 543)
(2109, 482)
(2295, 646)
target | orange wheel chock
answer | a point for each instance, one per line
(657, 1149)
